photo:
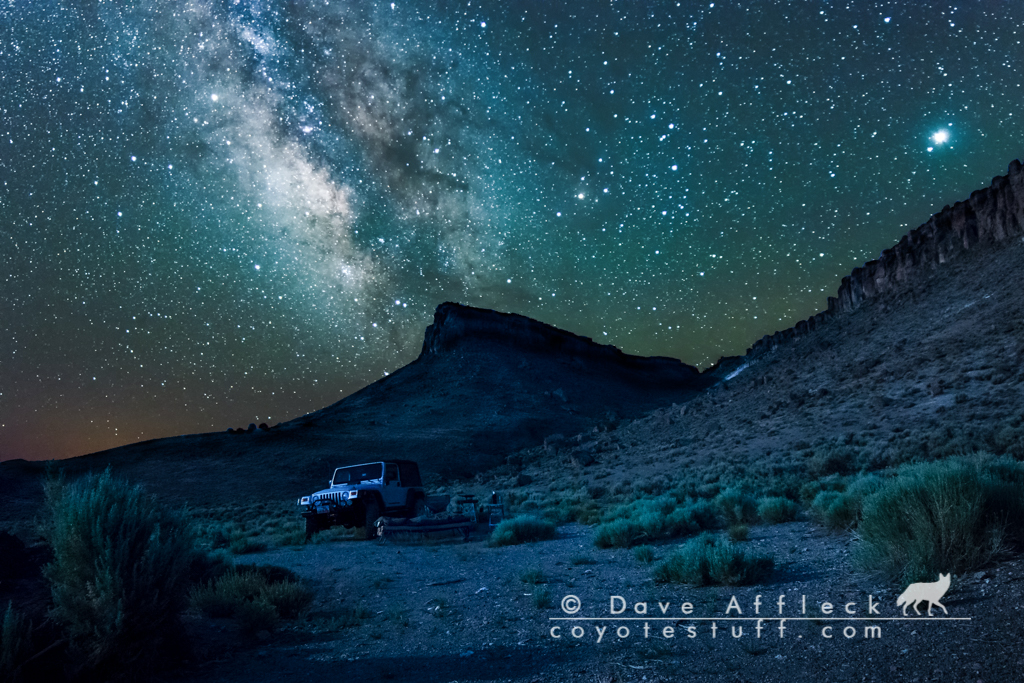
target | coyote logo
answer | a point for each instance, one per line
(925, 592)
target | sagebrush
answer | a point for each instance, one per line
(119, 573)
(708, 560)
(15, 642)
(255, 596)
(523, 529)
(950, 516)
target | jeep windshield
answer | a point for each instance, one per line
(360, 474)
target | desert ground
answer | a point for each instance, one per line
(450, 610)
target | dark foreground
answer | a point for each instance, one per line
(462, 612)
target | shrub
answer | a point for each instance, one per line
(706, 560)
(575, 508)
(644, 554)
(290, 598)
(949, 516)
(834, 510)
(650, 519)
(736, 507)
(119, 572)
(209, 566)
(621, 533)
(271, 573)
(523, 529)
(701, 514)
(245, 545)
(235, 593)
(541, 597)
(841, 510)
(810, 490)
(739, 532)
(831, 458)
(532, 576)
(15, 642)
(294, 537)
(776, 510)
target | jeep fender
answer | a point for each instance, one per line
(366, 495)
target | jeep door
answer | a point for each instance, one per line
(394, 494)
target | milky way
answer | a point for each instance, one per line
(214, 213)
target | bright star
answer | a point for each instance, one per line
(941, 137)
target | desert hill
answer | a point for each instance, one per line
(485, 384)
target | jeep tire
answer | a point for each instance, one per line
(372, 510)
(312, 526)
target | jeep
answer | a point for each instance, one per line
(360, 494)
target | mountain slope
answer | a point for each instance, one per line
(920, 356)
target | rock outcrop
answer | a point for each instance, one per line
(464, 329)
(989, 216)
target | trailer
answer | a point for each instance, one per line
(388, 527)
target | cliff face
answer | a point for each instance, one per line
(989, 216)
(464, 329)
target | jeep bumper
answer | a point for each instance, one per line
(331, 512)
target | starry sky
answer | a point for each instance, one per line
(217, 212)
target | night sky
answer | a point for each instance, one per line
(221, 212)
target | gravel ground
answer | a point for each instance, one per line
(460, 611)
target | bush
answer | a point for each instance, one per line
(950, 516)
(831, 458)
(736, 507)
(573, 509)
(644, 554)
(541, 597)
(841, 510)
(15, 642)
(621, 533)
(235, 593)
(271, 573)
(776, 510)
(523, 529)
(706, 560)
(119, 572)
(739, 532)
(650, 519)
(701, 514)
(532, 576)
(810, 490)
(835, 510)
(245, 545)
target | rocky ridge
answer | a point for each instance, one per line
(989, 216)
(461, 329)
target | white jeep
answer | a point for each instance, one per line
(361, 494)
